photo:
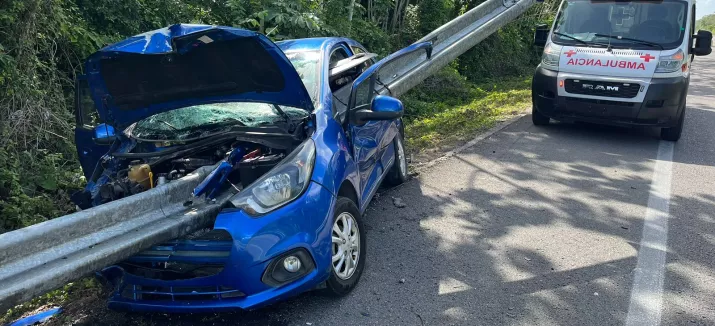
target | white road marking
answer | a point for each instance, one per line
(647, 293)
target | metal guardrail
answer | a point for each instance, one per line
(45, 256)
(449, 42)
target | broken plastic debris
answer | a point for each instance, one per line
(398, 202)
(37, 318)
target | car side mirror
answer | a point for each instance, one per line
(703, 43)
(382, 107)
(541, 35)
(104, 134)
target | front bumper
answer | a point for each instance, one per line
(254, 243)
(661, 105)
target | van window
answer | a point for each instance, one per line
(662, 23)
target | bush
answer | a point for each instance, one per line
(446, 107)
(505, 53)
(35, 185)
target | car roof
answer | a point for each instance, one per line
(313, 44)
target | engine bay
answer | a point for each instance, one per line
(142, 165)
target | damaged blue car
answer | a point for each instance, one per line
(297, 130)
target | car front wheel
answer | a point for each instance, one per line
(398, 172)
(347, 248)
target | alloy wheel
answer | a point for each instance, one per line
(346, 245)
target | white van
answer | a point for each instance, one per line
(618, 62)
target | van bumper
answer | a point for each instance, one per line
(663, 103)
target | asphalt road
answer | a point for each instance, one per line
(539, 226)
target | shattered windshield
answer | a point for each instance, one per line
(661, 23)
(306, 63)
(203, 120)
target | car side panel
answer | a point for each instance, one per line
(333, 164)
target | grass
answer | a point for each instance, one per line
(443, 112)
(86, 290)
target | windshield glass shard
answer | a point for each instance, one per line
(203, 120)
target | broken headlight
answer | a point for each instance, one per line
(282, 184)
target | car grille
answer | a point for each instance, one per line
(601, 88)
(200, 256)
(160, 293)
(602, 102)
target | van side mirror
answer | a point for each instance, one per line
(703, 43)
(382, 107)
(541, 36)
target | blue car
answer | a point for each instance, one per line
(305, 138)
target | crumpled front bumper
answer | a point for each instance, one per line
(252, 246)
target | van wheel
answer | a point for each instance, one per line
(537, 118)
(398, 172)
(673, 134)
(347, 249)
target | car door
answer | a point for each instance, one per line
(88, 129)
(366, 144)
(372, 143)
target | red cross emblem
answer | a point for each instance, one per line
(647, 57)
(570, 53)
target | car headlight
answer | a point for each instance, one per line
(671, 63)
(551, 56)
(282, 184)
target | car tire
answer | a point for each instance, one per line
(537, 118)
(343, 278)
(674, 133)
(398, 172)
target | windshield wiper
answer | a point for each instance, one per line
(571, 37)
(587, 43)
(283, 114)
(209, 129)
(632, 40)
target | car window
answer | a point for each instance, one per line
(359, 50)
(337, 55)
(341, 86)
(86, 114)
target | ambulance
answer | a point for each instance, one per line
(618, 62)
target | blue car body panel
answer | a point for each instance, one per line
(350, 160)
(255, 242)
(166, 41)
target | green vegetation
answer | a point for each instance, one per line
(706, 23)
(459, 109)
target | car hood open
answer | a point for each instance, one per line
(184, 65)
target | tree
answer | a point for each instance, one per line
(706, 23)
